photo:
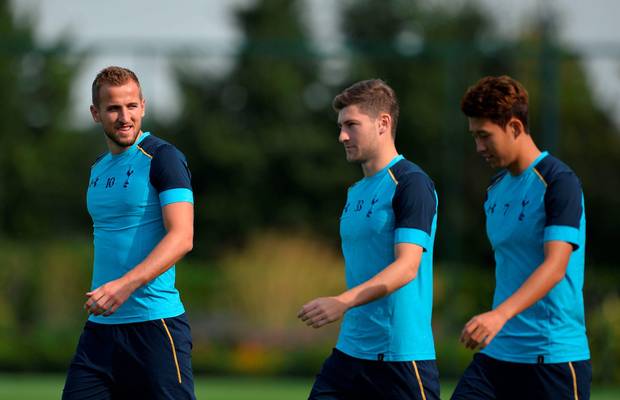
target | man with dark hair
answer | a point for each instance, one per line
(385, 349)
(533, 341)
(136, 343)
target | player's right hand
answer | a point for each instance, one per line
(482, 328)
(322, 311)
(106, 299)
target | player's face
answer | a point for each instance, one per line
(120, 113)
(495, 144)
(359, 133)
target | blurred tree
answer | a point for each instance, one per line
(590, 142)
(43, 166)
(262, 144)
(430, 55)
(261, 140)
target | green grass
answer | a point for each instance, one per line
(44, 387)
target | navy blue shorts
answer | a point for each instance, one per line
(489, 378)
(144, 360)
(343, 377)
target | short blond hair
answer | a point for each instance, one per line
(114, 76)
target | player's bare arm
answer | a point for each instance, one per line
(482, 328)
(325, 310)
(179, 222)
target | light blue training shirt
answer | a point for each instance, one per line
(125, 197)
(544, 203)
(398, 204)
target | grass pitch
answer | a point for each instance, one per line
(48, 387)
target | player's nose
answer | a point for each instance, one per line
(343, 136)
(124, 115)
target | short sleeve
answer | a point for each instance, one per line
(170, 176)
(564, 209)
(415, 206)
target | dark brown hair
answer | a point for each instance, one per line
(114, 76)
(498, 99)
(372, 96)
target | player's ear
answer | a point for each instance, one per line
(95, 113)
(385, 123)
(516, 127)
(143, 100)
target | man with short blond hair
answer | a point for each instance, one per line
(136, 343)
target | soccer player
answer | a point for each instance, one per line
(534, 339)
(385, 349)
(136, 343)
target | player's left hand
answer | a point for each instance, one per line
(106, 299)
(482, 328)
(322, 311)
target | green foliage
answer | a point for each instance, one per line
(261, 137)
(251, 326)
(42, 288)
(602, 296)
(459, 292)
(262, 145)
(590, 143)
(243, 309)
(279, 267)
(43, 167)
(261, 140)
(430, 55)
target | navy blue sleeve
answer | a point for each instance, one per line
(169, 170)
(494, 180)
(414, 202)
(563, 204)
